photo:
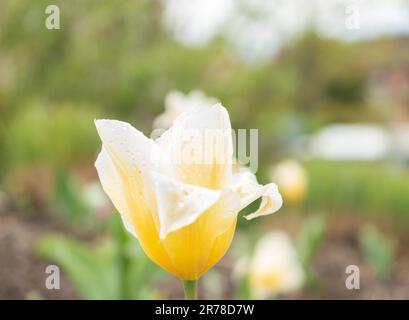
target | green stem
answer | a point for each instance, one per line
(190, 287)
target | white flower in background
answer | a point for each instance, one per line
(275, 268)
(292, 180)
(176, 102)
(183, 213)
(95, 197)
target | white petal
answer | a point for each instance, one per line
(128, 226)
(130, 150)
(201, 147)
(133, 156)
(246, 185)
(270, 203)
(180, 204)
(113, 187)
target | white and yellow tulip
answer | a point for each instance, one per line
(183, 212)
(292, 180)
(275, 268)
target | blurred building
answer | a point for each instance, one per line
(350, 142)
(388, 90)
(359, 142)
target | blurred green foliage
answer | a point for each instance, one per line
(115, 269)
(242, 290)
(54, 137)
(359, 187)
(378, 250)
(69, 202)
(310, 237)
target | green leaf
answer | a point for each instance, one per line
(378, 250)
(68, 200)
(309, 241)
(116, 269)
(310, 238)
(91, 271)
(136, 272)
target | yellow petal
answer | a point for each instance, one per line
(198, 246)
(180, 204)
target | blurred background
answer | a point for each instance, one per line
(326, 83)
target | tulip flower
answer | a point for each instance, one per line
(291, 179)
(176, 102)
(275, 268)
(178, 194)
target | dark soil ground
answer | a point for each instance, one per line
(22, 274)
